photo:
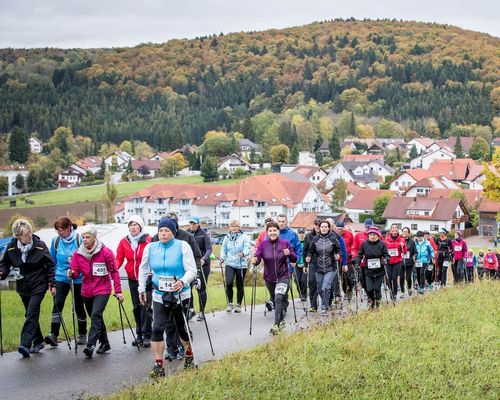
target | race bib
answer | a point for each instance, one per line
(407, 255)
(393, 252)
(373, 263)
(457, 248)
(99, 269)
(281, 288)
(490, 260)
(469, 260)
(446, 263)
(166, 283)
(430, 267)
(418, 264)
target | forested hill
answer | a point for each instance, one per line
(173, 93)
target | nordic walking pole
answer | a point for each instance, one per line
(1, 332)
(221, 265)
(122, 308)
(209, 298)
(73, 313)
(121, 323)
(387, 286)
(356, 288)
(254, 280)
(293, 304)
(188, 330)
(62, 323)
(300, 291)
(243, 285)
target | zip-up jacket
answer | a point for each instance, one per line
(97, 271)
(37, 271)
(61, 252)
(348, 238)
(425, 252)
(275, 260)
(359, 238)
(459, 249)
(231, 246)
(167, 262)
(343, 249)
(411, 251)
(125, 252)
(396, 246)
(444, 248)
(292, 238)
(325, 247)
(491, 261)
(470, 261)
(480, 262)
(308, 239)
(370, 252)
(203, 242)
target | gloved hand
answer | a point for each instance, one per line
(197, 283)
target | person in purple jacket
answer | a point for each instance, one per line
(459, 248)
(276, 253)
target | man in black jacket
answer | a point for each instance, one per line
(174, 346)
(205, 245)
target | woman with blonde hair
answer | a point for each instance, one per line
(30, 256)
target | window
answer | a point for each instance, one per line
(426, 212)
(434, 228)
(414, 227)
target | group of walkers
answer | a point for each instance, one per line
(163, 270)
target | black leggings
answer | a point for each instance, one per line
(31, 332)
(142, 319)
(63, 288)
(202, 291)
(231, 273)
(161, 317)
(374, 286)
(280, 300)
(95, 307)
(300, 279)
(347, 279)
(406, 276)
(393, 271)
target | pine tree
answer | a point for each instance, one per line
(352, 126)
(110, 196)
(19, 146)
(458, 149)
(209, 170)
(334, 145)
(339, 195)
(413, 152)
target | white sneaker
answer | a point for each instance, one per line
(237, 309)
(229, 307)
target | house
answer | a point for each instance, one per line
(422, 213)
(407, 178)
(313, 173)
(424, 186)
(362, 202)
(36, 145)
(11, 172)
(305, 220)
(458, 170)
(160, 156)
(375, 148)
(325, 148)
(370, 173)
(472, 196)
(422, 144)
(232, 162)
(71, 176)
(249, 201)
(146, 168)
(118, 160)
(246, 146)
(426, 159)
(363, 157)
(307, 158)
(488, 212)
(450, 142)
(476, 182)
(185, 150)
(90, 164)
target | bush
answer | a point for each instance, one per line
(40, 221)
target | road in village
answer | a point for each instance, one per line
(57, 373)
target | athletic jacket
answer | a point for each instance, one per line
(275, 261)
(371, 251)
(348, 238)
(396, 246)
(490, 261)
(470, 261)
(359, 238)
(189, 239)
(425, 252)
(133, 257)
(292, 238)
(459, 249)
(167, 261)
(37, 271)
(307, 245)
(61, 252)
(203, 242)
(231, 246)
(444, 248)
(411, 251)
(325, 247)
(97, 271)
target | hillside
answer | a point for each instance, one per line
(173, 93)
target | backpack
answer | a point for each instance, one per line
(58, 239)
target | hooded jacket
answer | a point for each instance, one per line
(133, 257)
(425, 252)
(490, 261)
(231, 246)
(325, 247)
(396, 246)
(292, 238)
(96, 271)
(359, 238)
(38, 270)
(411, 251)
(459, 248)
(275, 260)
(61, 252)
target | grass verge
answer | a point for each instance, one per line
(445, 345)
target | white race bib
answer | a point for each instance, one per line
(373, 263)
(418, 264)
(457, 248)
(281, 288)
(393, 252)
(99, 269)
(166, 283)
(407, 255)
(430, 267)
(490, 260)
(469, 260)
(446, 263)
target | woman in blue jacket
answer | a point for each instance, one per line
(423, 260)
(234, 253)
(62, 248)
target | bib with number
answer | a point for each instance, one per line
(407, 255)
(281, 288)
(373, 263)
(166, 283)
(99, 269)
(469, 260)
(446, 263)
(490, 260)
(418, 264)
(393, 252)
(430, 267)
(457, 248)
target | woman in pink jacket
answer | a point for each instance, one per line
(490, 264)
(97, 265)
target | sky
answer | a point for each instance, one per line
(119, 23)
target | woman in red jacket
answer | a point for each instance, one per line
(490, 264)
(396, 247)
(130, 249)
(97, 265)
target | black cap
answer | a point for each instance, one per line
(420, 234)
(301, 230)
(427, 233)
(317, 221)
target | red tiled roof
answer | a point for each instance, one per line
(306, 170)
(363, 157)
(451, 141)
(90, 162)
(304, 220)
(353, 188)
(443, 208)
(455, 169)
(149, 164)
(424, 141)
(363, 199)
(489, 206)
(471, 195)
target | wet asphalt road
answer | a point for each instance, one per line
(57, 373)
